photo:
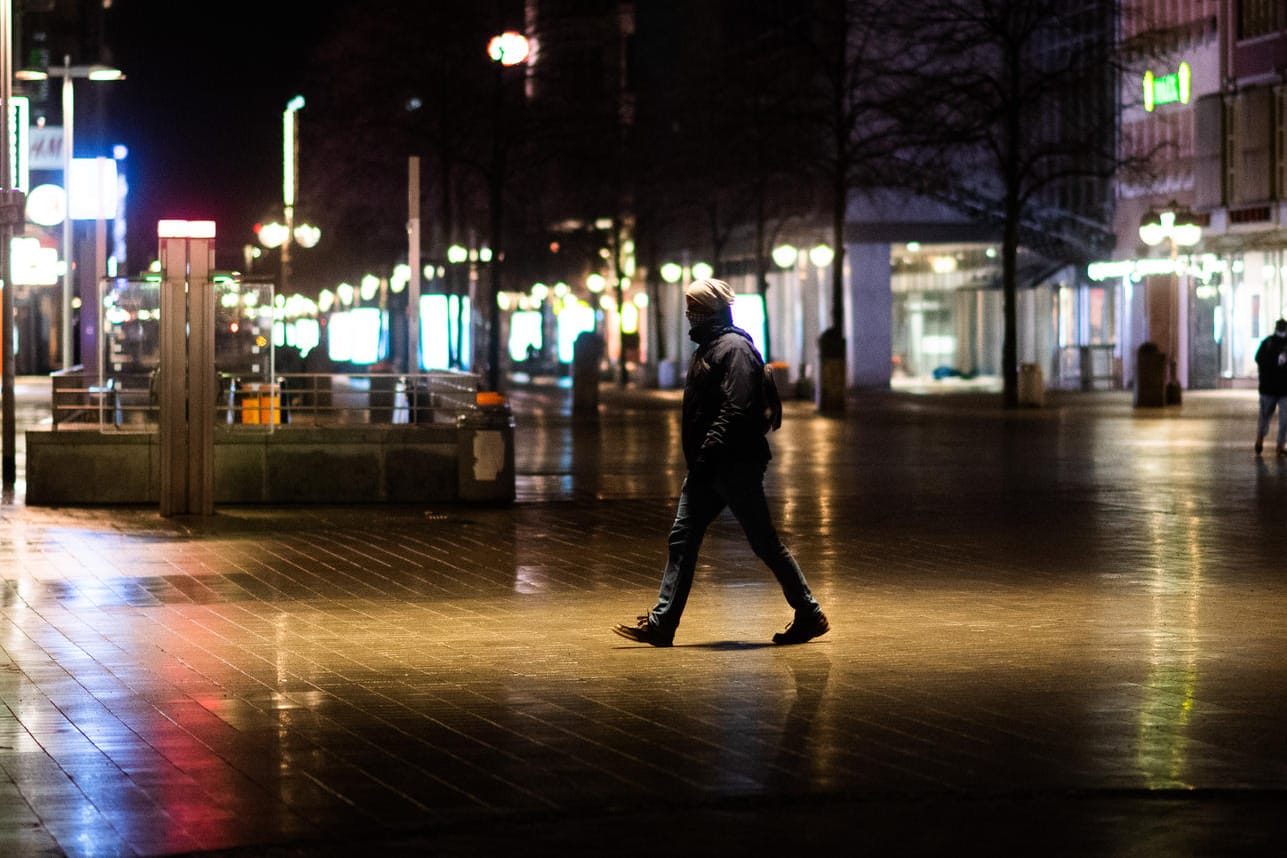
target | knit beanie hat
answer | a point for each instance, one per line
(709, 295)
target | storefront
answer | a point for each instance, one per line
(1225, 304)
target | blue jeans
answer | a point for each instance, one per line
(740, 487)
(1268, 403)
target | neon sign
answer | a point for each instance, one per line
(1167, 88)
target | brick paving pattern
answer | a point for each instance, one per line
(1055, 631)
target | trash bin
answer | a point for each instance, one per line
(1032, 387)
(587, 350)
(832, 371)
(1150, 377)
(260, 404)
(485, 452)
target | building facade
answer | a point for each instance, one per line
(1211, 110)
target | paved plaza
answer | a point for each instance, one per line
(1055, 631)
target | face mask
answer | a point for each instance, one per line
(697, 318)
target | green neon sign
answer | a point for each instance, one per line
(1167, 88)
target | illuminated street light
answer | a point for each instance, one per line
(1175, 223)
(1179, 226)
(68, 73)
(506, 50)
(509, 48)
(821, 255)
(305, 235)
(400, 277)
(272, 235)
(785, 255)
(673, 272)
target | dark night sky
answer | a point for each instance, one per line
(200, 110)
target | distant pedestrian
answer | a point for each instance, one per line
(1271, 360)
(723, 435)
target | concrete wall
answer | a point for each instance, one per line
(361, 464)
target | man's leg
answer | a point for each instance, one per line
(744, 489)
(1282, 424)
(1267, 404)
(699, 503)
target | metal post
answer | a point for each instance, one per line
(413, 262)
(187, 375)
(201, 377)
(9, 466)
(173, 429)
(90, 330)
(290, 181)
(69, 109)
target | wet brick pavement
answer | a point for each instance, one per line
(1056, 631)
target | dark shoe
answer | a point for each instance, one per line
(644, 632)
(802, 631)
(1260, 445)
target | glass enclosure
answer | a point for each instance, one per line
(127, 393)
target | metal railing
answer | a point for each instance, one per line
(1093, 367)
(128, 402)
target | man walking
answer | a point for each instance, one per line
(1271, 361)
(723, 431)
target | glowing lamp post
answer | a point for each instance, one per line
(675, 273)
(821, 255)
(68, 73)
(509, 48)
(290, 179)
(506, 50)
(1180, 227)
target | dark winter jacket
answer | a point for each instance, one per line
(723, 409)
(1271, 358)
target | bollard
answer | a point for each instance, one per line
(587, 351)
(1150, 377)
(485, 452)
(1032, 387)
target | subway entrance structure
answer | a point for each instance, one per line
(187, 410)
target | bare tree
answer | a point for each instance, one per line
(858, 84)
(1017, 117)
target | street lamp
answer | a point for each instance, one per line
(68, 73)
(675, 273)
(509, 48)
(821, 255)
(1176, 223)
(290, 179)
(1179, 226)
(506, 50)
(274, 234)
